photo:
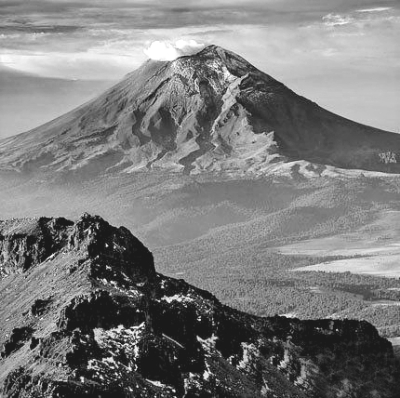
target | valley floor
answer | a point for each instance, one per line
(373, 249)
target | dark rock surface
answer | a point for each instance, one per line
(90, 317)
(25, 243)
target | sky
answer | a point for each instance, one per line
(57, 54)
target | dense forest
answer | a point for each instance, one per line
(268, 285)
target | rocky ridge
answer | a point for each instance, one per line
(85, 314)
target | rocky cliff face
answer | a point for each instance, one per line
(25, 243)
(84, 314)
(212, 111)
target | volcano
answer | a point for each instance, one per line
(208, 112)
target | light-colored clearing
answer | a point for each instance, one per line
(385, 303)
(395, 340)
(387, 266)
(376, 245)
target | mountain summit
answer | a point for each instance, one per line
(212, 111)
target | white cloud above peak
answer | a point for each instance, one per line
(169, 50)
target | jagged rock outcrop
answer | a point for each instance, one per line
(25, 243)
(90, 317)
(212, 111)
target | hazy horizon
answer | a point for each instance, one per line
(55, 55)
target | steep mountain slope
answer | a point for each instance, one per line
(84, 314)
(212, 111)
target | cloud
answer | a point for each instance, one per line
(168, 51)
(337, 19)
(376, 9)
(86, 66)
(368, 18)
(97, 53)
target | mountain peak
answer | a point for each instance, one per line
(67, 332)
(214, 51)
(208, 112)
(217, 57)
(26, 243)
